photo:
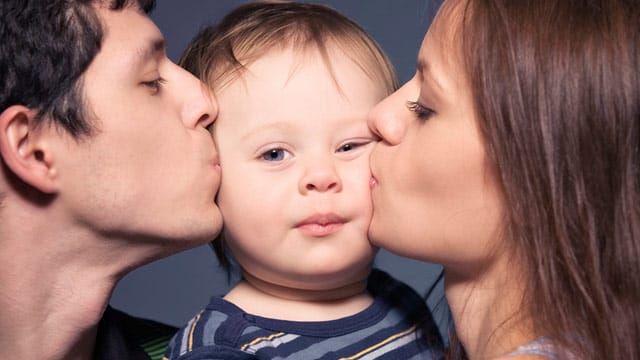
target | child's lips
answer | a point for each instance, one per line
(319, 225)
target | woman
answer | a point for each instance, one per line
(513, 159)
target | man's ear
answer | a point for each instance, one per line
(24, 150)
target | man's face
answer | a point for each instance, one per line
(150, 173)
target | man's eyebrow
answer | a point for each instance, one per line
(150, 50)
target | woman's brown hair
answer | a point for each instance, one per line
(556, 89)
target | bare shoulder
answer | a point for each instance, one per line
(523, 357)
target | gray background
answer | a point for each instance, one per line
(174, 289)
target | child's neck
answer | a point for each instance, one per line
(261, 298)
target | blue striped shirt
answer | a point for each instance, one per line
(395, 326)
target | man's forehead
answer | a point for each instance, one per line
(132, 35)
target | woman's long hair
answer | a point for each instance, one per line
(556, 87)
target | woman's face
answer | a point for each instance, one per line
(435, 196)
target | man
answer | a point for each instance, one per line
(106, 166)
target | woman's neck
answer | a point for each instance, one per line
(487, 310)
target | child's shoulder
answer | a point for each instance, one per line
(395, 292)
(214, 329)
(405, 305)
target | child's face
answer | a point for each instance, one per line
(294, 151)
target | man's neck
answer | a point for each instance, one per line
(55, 283)
(49, 310)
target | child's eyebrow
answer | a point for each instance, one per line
(280, 126)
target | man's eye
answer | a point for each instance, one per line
(155, 84)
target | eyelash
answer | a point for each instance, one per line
(423, 113)
(155, 84)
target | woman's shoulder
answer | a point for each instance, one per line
(524, 357)
(541, 348)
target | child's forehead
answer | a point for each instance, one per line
(296, 57)
(288, 67)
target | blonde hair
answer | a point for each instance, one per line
(219, 54)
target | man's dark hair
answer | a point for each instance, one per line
(45, 47)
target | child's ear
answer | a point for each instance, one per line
(24, 149)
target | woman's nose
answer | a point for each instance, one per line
(388, 119)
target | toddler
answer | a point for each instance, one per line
(295, 83)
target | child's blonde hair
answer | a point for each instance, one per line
(219, 54)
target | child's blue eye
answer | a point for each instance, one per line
(346, 147)
(274, 155)
(349, 147)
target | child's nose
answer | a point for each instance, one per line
(321, 178)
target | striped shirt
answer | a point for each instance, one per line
(395, 326)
